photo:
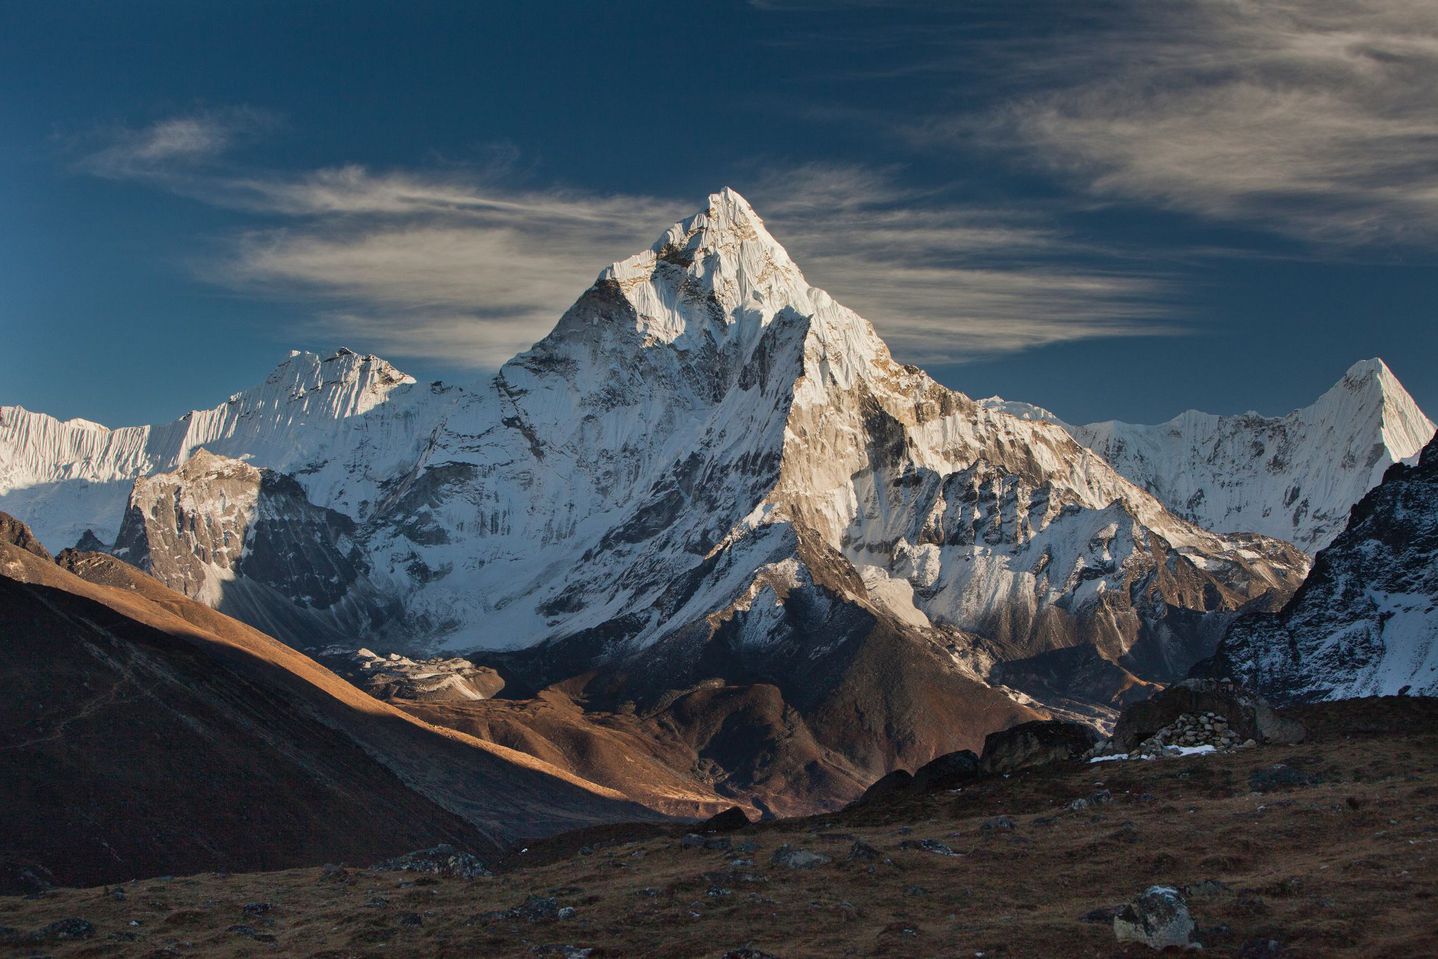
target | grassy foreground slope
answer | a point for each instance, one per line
(1334, 854)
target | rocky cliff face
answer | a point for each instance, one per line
(249, 543)
(1365, 623)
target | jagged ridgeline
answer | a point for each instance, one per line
(1365, 623)
(709, 472)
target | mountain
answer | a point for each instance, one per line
(250, 543)
(308, 418)
(709, 476)
(1291, 477)
(143, 733)
(1365, 623)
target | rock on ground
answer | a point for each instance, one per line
(1159, 919)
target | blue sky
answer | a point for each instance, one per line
(1122, 212)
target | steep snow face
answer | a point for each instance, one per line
(1005, 527)
(247, 542)
(314, 417)
(1292, 477)
(701, 420)
(1366, 621)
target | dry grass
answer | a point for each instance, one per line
(1344, 867)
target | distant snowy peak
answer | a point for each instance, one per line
(345, 383)
(67, 476)
(1292, 477)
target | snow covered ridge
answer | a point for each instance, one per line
(705, 446)
(73, 475)
(1366, 621)
(1292, 477)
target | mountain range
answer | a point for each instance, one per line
(710, 509)
(1365, 622)
(1293, 477)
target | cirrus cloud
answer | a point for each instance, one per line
(458, 266)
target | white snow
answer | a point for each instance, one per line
(704, 372)
(1292, 477)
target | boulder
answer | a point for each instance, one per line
(1036, 744)
(947, 771)
(792, 858)
(1245, 713)
(63, 929)
(928, 845)
(535, 909)
(861, 851)
(891, 784)
(441, 860)
(1159, 919)
(727, 821)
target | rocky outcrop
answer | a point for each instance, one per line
(947, 771)
(1244, 713)
(1365, 622)
(1036, 744)
(247, 542)
(435, 680)
(17, 534)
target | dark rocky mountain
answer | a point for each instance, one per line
(143, 733)
(249, 543)
(1365, 623)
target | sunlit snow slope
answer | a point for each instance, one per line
(703, 437)
(1292, 477)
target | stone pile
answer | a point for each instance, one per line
(1189, 730)
(1193, 729)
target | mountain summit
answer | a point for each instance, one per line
(710, 496)
(1293, 477)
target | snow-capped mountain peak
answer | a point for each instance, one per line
(344, 383)
(1293, 477)
(70, 476)
(735, 253)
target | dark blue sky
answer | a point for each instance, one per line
(1120, 214)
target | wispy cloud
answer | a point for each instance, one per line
(1315, 118)
(456, 266)
(433, 266)
(167, 147)
(946, 281)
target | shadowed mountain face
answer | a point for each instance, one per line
(250, 544)
(142, 733)
(1365, 623)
